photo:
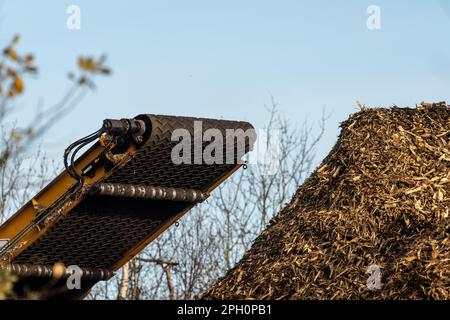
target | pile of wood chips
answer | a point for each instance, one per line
(380, 199)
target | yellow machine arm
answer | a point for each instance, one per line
(111, 202)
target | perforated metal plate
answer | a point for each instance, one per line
(98, 232)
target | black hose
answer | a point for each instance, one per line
(123, 128)
(73, 149)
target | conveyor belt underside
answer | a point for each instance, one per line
(100, 230)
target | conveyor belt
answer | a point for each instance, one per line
(121, 207)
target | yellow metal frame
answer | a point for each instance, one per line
(58, 188)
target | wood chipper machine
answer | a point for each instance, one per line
(116, 198)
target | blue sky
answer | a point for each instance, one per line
(226, 58)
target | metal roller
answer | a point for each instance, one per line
(150, 192)
(40, 271)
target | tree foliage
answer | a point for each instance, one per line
(22, 174)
